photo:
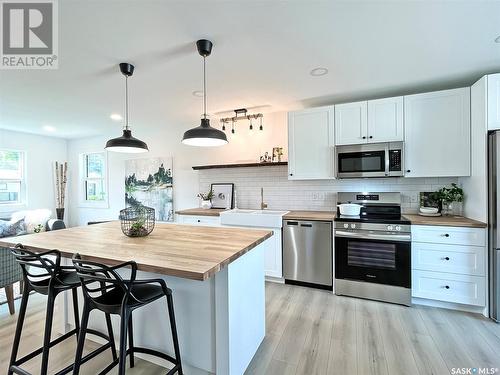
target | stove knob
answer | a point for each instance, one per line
(346, 226)
(389, 227)
(398, 227)
(353, 226)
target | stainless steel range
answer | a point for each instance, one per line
(373, 250)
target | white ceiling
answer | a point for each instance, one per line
(263, 52)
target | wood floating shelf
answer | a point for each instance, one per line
(244, 165)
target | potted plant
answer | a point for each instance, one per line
(451, 199)
(206, 199)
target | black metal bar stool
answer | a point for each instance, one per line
(43, 273)
(104, 289)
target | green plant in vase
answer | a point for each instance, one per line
(138, 229)
(206, 199)
(447, 196)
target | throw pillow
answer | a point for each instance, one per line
(35, 219)
(9, 229)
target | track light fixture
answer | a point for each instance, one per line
(241, 114)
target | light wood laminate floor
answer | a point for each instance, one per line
(314, 332)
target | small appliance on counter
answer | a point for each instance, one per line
(373, 250)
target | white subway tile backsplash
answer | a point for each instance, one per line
(281, 193)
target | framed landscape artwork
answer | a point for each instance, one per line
(149, 182)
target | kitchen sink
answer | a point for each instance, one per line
(253, 218)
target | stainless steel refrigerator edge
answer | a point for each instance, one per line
(308, 252)
(493, 223)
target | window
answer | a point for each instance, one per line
(11, 177)
(93, 174)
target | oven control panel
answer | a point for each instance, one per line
(396, 228)
(349, 226)
(373, 228)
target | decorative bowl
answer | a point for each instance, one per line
(428, 210)
(137, 221)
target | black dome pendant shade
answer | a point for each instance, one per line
(204, 135)
(126, 143)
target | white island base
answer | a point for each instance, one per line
(220, 321)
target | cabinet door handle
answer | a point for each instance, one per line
(446, 258)
(371, 137)
(291, 174)
(363, 137)
(199, 221)
(408, 170)
(447, 286)
(446, 235)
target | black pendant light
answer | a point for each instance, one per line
(126, 143)
(204, 135)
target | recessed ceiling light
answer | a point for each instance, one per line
(116, 117)
(316, 72)
(198, 93)
(497, 39)
(49, 128)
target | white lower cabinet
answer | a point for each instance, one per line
(448, 287)
(273, 257)
(199, 220)
(449, 264)
(467, 260)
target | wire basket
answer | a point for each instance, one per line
(137, 221)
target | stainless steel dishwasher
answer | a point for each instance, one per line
(307, 253)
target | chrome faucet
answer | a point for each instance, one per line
(263, 205)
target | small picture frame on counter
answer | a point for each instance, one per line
(223, 195)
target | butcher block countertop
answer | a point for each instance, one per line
(186, 251)
(201, 211)
(448, 221)
(310, 215)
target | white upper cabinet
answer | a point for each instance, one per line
(370, 121)
(437, 133)
(351, 123)
(494, 101)
(310, 144)
(385, 120)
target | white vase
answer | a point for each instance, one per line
(206, 204)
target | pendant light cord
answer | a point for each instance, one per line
(126, 102)
(204, 89)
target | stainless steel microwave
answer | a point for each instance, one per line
(370, 160)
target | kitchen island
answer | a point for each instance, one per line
(217, 278)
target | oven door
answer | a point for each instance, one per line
(373, 258)
(362, 161)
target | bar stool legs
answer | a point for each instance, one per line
(15, 363)
(131, 340)
(19, 328)
(173, 326)
(127, 334)
(49, 317)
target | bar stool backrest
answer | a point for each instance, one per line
(98, 278)
(38, 268)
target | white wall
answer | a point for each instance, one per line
(164, 140)
(41, 153)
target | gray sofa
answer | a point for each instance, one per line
(10, 271)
